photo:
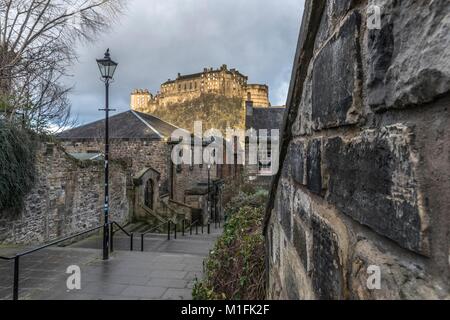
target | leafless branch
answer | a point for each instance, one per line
(37, 40)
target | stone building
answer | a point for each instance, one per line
(363, 190)
(229, 83)
(263, 121)
(137, 138)
(145, 185)
(156, 187)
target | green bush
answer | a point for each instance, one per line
(256, 199)
(234, 269)
(17, 171)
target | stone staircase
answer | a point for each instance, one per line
(165, 270)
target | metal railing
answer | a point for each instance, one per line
(111, 239)
(151, 231)
(17, 256)
(170, 223)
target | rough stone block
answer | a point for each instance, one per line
(302, 204)
(372, 178)
(314, 166)
(297, 161)
(408, 58)
(327, 275)
(302, 125)
(299, 241)
(335, 81)
(399, 278)
(334, 11)
(291, 284)
(285, 209)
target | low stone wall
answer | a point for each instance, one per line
(67, 198)
(364, 189)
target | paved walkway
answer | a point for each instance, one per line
(166, 270)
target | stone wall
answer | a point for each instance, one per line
(67, 198)
(364, 182)
(136, 153)
(186, 177)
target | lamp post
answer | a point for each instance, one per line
(209, 196)
(107, 68)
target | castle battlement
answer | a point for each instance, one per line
(221, 81)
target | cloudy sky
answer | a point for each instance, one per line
(156, 39)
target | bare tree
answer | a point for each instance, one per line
(37, 41)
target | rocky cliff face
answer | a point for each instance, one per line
(215, 111)
(364, 186)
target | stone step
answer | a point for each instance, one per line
(134, 227)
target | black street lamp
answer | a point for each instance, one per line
(209, 195)
(107, 68)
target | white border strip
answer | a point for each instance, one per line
(147, 124)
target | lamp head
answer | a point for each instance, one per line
(107, 66)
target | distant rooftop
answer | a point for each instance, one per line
(205, 70)
(125, 125)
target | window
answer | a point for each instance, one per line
(149, 193)
(265, 162)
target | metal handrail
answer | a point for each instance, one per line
(153, 229)
(21, 254)
(192, 223)
(16, 258)
(129, 234)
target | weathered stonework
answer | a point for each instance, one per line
(327, 274)
(313, 166)
(408, 59)
(336, 103)
(136, 153)
(373, 179)
(67, 198)
(365, 170)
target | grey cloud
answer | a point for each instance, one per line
(155, 40)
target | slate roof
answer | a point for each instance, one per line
(265, 118)
(125, 125)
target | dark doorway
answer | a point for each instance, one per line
(148, 193)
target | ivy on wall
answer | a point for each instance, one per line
(17, 166)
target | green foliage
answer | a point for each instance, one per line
(215, 111)
(17, 158)
(242, 199)
(234, 269)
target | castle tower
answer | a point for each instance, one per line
(259, 94)
(140, 99)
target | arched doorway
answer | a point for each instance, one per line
(149, 193)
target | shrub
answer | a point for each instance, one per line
(17, 157)
(235, 267)
(257, 199)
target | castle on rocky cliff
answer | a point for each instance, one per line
(222, 81)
